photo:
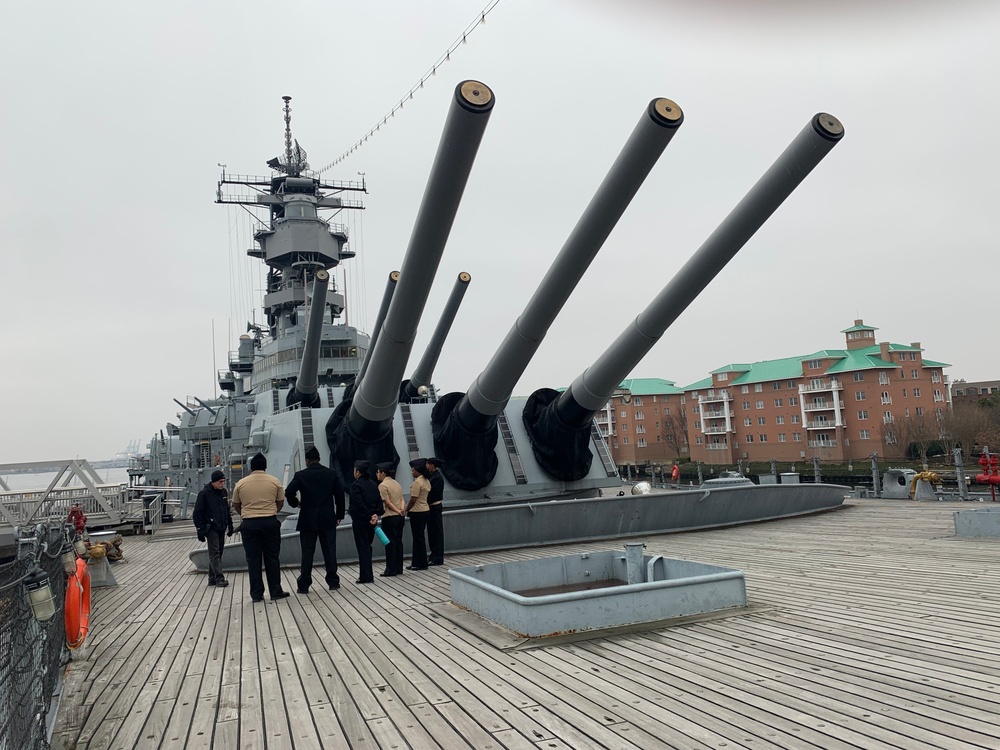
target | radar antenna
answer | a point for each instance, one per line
(294, 161)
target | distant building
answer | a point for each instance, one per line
(834, 404)
(644, 425)
(964, 391)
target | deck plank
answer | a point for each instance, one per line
(871, 627)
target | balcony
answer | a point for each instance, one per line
(821, 425)
(714, 397)
(827, 385)
(714, 414)
(822, 406)
(822, 443)
(716, 446)
(714, 430)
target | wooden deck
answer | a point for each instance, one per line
(869, 627)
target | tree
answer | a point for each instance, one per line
(674, 431)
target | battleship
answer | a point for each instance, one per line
(519, 470)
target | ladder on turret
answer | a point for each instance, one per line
(602, 450)
(411, 434)
(307, 427)
(511, 446)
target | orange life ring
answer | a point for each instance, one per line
(78, 605)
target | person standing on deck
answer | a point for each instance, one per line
(212, 519)
(418, 511)
(435, 521)
(393, 520)
(365, 508)
(322, 509)
(257, 498)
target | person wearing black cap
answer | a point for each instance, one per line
(322, 508)
(258, 497)
(393, 508)
(365, 508)
(435, 521)
(418, 511)
(213, 520)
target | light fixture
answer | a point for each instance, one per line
(36, 583)
(68, 558)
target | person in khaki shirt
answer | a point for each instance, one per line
(419, 511)
(392, 516)
(257, 498)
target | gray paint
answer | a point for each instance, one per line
(982, 523)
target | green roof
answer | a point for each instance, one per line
(650, 386)
(861, 327)
(932, 363)
(699, 385)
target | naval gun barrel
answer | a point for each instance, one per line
(575, 408)
(390, 287)
(307, 383)
(374, 402)
(491, 391)
(421, 376)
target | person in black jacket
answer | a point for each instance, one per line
(212, 519)
(435, 521)
(365, 509)
(321, 509)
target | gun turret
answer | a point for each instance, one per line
(362, 426)
(559, 424)
(421, 377)
(465, 425)
(307, 384)
(390, 287)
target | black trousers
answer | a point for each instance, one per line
(216, 542)
(418, 523)
(435, 534)
(393, 528)
(364, 533)
(262, 541)
(328, 543)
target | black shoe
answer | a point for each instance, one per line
(221, 583)
(414, 567)
(211, 583)
(280, 595)
(256, 599)
(388, 574)
(301, 590)
(435, 563)
(334, 587)
(370, 580)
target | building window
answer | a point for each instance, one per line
(937, 395)
(859, 396)
(793, 400)
(887, 417)
(761, 421)
(886, 399)
(959, 392)
(795, 419)
(625, 441)
(796, 437)
(815, 364)
(763, 438)
(913, 356)
(863, 414)
(641, 443)
(883, 378)
(779, 419)
(778, 402)
(858, 377)
(695, 409)
(747, 422)
(935, 376)
(746, 404)
(781, 437)
(723, 376)
(637, 401)
(744, 389)
(758, 387)
(920, 411)
(638, 415)
(697, 426)
(624, 414)
(865, 435)
(776, 386)
(698, 440)
(913, 374)
(623, 426)
(748, 439)
(760, 404)
(916, 393)
(904, 393)
(906, 411)
(790, 385)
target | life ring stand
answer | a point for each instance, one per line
(77, 606)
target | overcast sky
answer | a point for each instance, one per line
(124, 285)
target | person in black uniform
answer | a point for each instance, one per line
(365, 508)
(435, 521)
(212, 519)
(322, 509)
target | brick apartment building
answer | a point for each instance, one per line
(834, 404)
(973, 391)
